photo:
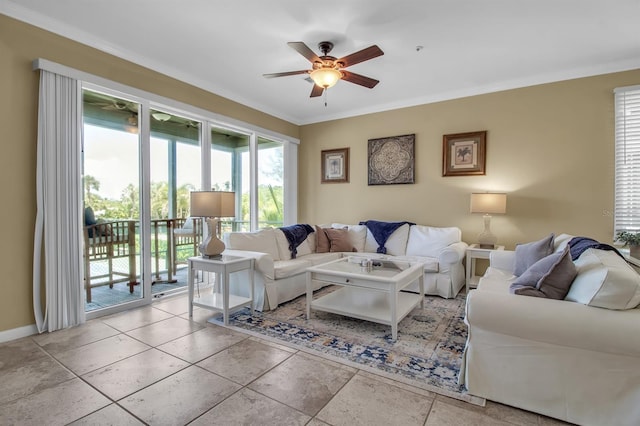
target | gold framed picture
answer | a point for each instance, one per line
(335, 165)
(464, 154)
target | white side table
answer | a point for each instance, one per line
(222, 267)
(475, 252)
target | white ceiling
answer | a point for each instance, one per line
(469, 46)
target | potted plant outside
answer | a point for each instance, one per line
(631, 239)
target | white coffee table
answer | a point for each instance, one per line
(372, 295)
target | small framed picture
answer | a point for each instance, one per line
(335, 165)
(464, 154)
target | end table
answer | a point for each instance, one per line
(222, 266)
(475, 252)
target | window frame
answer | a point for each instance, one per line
(627, 159)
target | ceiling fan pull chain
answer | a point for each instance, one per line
(325, 97)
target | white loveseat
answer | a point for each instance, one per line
(279, 278)
(571, 360)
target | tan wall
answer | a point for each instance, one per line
(20, 44)
(550, 147)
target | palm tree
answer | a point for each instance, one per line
(183, 199)
(463, 152)
(90, 183)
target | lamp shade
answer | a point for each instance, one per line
(205, 204)
(489, 203)
(227, 204)
(326, 77)
(212, 204)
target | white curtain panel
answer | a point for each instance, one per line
(57, 240)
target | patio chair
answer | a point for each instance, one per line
(186, 232)
(107, 241)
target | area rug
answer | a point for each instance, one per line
(427, 353)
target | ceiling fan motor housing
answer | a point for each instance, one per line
(326, 61)
(325, 47)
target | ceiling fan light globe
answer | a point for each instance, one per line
(326, 77)
(161, 116)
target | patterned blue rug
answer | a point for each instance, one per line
(427, 354)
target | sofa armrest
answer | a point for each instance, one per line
(263, 262)
(503, 259)
(556, 322)
(453, 253)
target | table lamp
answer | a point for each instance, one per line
(488, 203)
(212, 205)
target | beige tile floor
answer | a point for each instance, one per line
(153, 365)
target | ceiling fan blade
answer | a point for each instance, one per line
(316, 91)
(361, 56)
(304, 50)
(352, 77)
(284, 74)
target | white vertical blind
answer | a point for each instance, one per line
(627, 186)
(57, 234)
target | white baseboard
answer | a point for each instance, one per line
(18, 333)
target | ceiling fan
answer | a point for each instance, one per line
(109, 103)
(327, 70)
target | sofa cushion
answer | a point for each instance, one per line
(263, 241)
(308, 246)
(302, 249)
(186, 228)
(357, 234)
(320, 258)
(323, 245)
(549, 277)
(605, 280)
(89, 217)
(496, 280)
(530, 253)
(561, 241)
(282, 245)
(431, 264)
(339, 240)
(429, 240)
(288, 268)
(396, 244)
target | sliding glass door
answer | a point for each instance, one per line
(230, 167)
(111, 182)
(270, 183)
(174, 173)
(141, 160)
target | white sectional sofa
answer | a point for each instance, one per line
(576, 359)
(279, 278)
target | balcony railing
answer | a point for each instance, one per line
(112, 249)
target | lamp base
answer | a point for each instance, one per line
(211, 246)
(213, 256)
(486, 239)
(486, 246)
